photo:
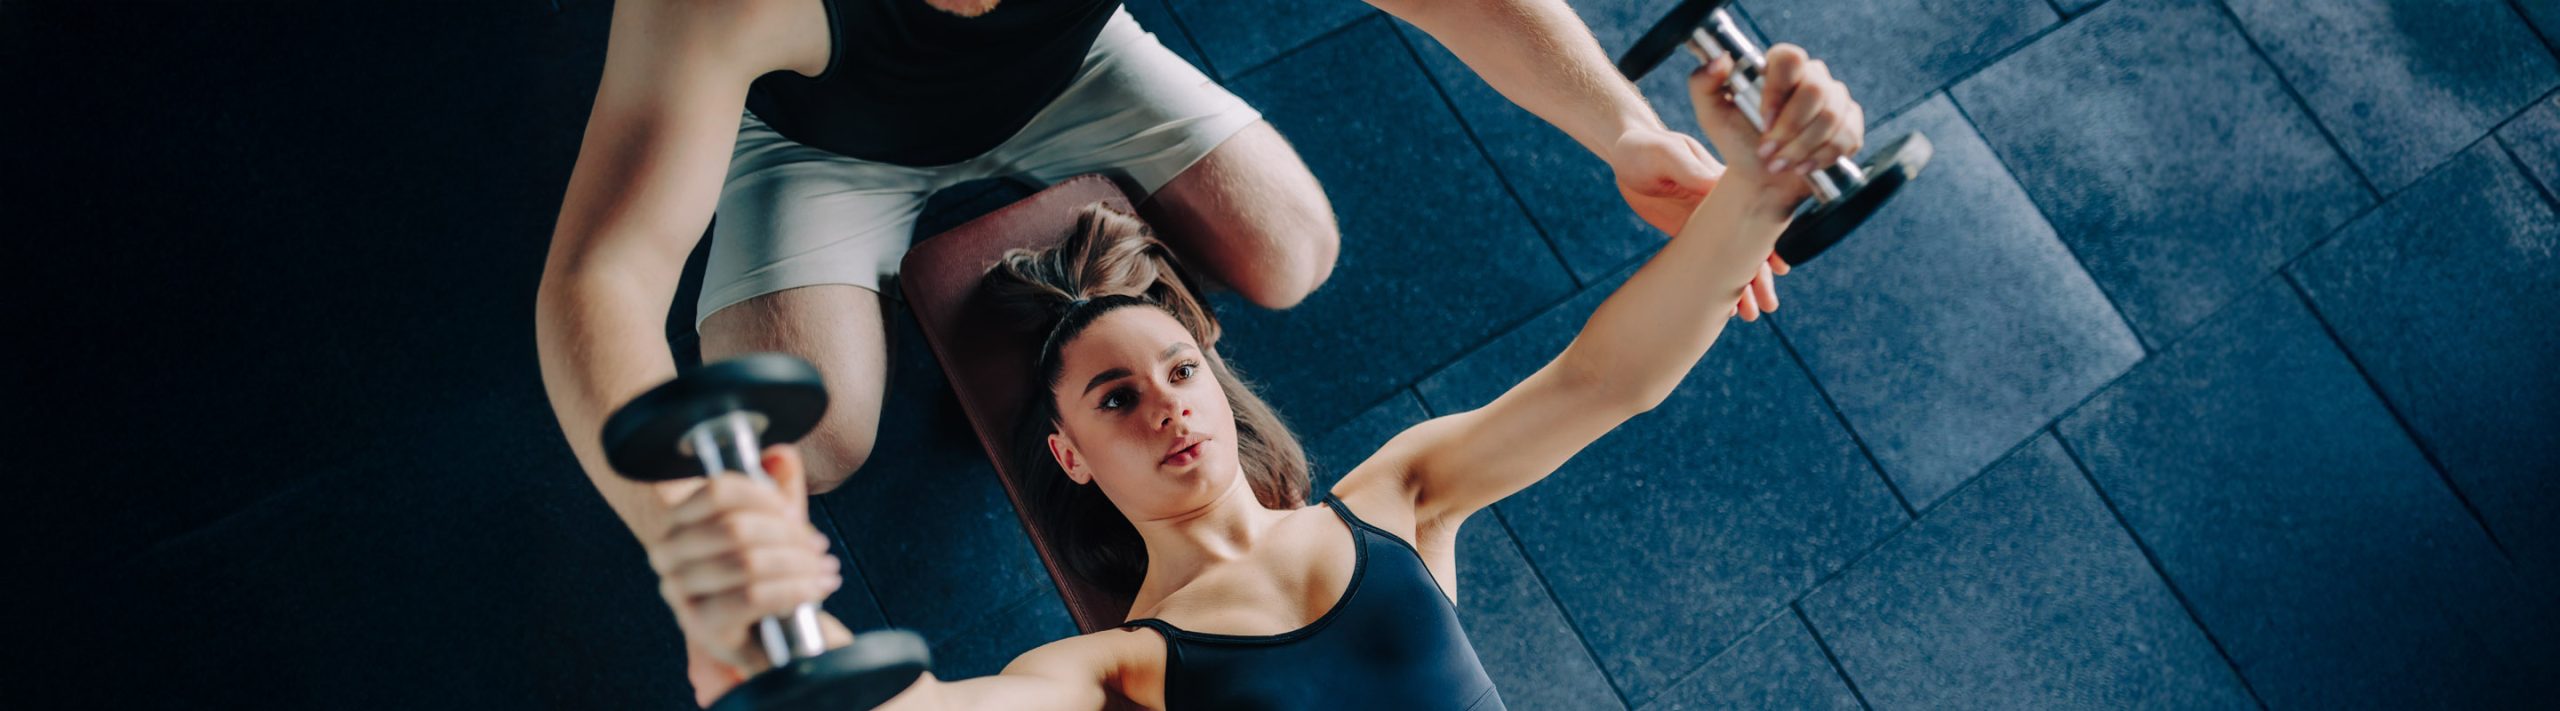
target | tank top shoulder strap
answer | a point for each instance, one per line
(1172, 637)
(1344, 512)
(1150, 623)
(1359, 526)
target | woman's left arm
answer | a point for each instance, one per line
(1641, 342)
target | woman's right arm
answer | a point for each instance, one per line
(1072, 674)
(738, 551)
(648, 174)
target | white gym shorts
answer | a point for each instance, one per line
(791, 215)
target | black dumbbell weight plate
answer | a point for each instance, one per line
(640, 440)
(863, 675)
(1825, 225)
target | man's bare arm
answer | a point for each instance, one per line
(648, 174)
(1542, 57)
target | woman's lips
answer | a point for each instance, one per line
(1184, 455)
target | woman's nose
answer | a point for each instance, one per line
(1173, 408)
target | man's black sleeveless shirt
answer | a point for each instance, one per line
(1392, 643)
(912, 85)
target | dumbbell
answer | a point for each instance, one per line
(1844, 193)
(715, 421)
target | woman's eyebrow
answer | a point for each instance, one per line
(1118, 373)
(1104, 377)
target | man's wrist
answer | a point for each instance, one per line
(1629, 126)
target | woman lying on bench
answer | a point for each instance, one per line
(1173, 481)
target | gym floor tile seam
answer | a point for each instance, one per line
(1500, 176)
(1414, 383)
(2549, 43)
(1794, 604)
(2315, 245)
(2235, 353)
(2047, 213)
(2509, 148)
(2162, 268)
(2150, 559)
(1946, 87)
(2490, 135)
(1855, 437)
(1796, 607)
(1580, 637)
(1182, 33)
(1491, 159)
(870, 592)
(2425, 449)
(2303, 105)
(2281, 271)
(2518, 161)
(2405, 412)
(1226, 76)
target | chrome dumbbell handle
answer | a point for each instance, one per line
(1720, 37)
(728, 444)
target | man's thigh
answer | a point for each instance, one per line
(837, 327)
(1252, 217)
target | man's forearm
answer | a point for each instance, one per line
(1542, 57)
(598, 353)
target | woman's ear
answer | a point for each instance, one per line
(1065, 453)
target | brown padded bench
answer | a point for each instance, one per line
(988, 357)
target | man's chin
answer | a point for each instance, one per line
(964, 8)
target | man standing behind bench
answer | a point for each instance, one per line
(855, 111)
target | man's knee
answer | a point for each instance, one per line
(835, 451)
(1301, 265)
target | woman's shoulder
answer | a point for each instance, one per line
(1128, 660)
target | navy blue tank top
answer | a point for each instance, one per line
(1392, 643)
(912, 85)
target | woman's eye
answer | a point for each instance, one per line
(1111, 401)
(1185, 371)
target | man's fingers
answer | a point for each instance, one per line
(720, 573)
(728, 534)
(1698, 150)
(1778, 266)
(790, 478)
(739, 607)
(1767, 288)
(1689, 176)
(725, 493)
(711, 677)
(1749, 306)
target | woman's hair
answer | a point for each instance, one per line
(1112, 261)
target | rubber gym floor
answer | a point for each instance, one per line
(2211, 364)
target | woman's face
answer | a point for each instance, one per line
(1141, 415)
